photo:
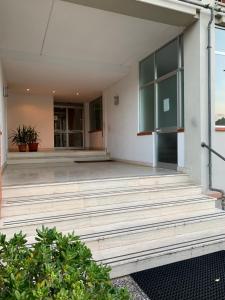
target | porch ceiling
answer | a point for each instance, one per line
(50, 45)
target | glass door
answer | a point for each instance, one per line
(60, 127)
(167, 122)
(68, 127)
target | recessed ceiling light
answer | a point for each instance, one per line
(28, 90)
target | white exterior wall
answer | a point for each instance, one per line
(195, 99)
(122, 121)
(35, 111)
(3, 120)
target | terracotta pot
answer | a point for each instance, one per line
(33, 147)
(22, 148)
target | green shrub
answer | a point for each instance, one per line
(57, 266)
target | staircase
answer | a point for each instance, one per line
(59, 156)
(131, 223)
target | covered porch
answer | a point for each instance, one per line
(86, 87)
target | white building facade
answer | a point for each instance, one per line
(156, 66)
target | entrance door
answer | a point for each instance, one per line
(167, 122)
(68, 126)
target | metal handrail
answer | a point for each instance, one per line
(204, 145)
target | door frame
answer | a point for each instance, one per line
(180, 104)
(67, 131)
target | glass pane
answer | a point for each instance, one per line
(76, 140)
(60, 118)
(167, 59)
(75, 118)
(60, 140)
(167, 148)
(167, 103)
(220, 90)
(147, 70)
(146, 115)
(220, 40)
(96, 115)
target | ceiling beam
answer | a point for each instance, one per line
(167, 12)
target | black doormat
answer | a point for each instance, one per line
(93, 161)
(201, 278)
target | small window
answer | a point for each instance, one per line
(95, 110)
(146, 110)
(220, 91)
(147, 70)
(167, 59)
(220, 39)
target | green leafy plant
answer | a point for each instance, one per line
(56, 267)
(19, 136)
(32, 135)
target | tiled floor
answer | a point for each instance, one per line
(66, 172)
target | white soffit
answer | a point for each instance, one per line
(170, 12)
(68, 47)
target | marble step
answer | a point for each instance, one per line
(56, 159)
(23, 205)
(137, 257)
(69, 220)
(92, 185)
(59, 153)
(154, 230)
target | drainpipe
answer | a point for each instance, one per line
(209, 47)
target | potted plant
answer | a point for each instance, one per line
(19, 138)
(32, 139)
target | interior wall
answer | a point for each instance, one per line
(122, 121)
(3, 119)
(32, 110)
(96, 141)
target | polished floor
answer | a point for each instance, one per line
(67, 172)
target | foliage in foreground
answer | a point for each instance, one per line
(57, 266)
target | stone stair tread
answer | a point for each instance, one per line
(100, 180)
(153, 224)
(158, 247)
(130, 227)
(56, 153)
(97, 193)
(110, 209)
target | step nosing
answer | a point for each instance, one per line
(97, 180)
(78, 195)
(158, 225)
(106, 211)
(164, 249)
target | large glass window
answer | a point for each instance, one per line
(220, 78)
(95, 109)
(161, 88)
